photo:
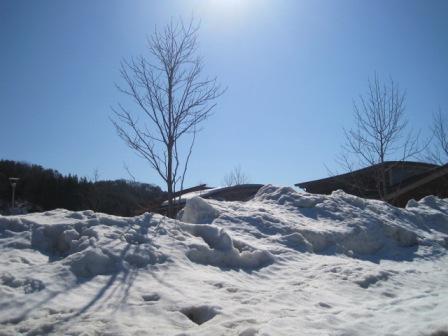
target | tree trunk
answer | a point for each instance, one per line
(169, 182)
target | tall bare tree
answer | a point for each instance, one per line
(380, 131)
(172, 99)
(439, 152)
(235, 177)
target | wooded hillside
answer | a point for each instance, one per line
(46, 189)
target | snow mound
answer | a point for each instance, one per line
(88, 244)
(287, 196)
(280, 263)
(337, 223)
(431, 213)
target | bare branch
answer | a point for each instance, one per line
(235, 177)
(125, 166)
(439, 151)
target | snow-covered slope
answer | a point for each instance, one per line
(285, 263)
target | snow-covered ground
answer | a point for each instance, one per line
(286, 263)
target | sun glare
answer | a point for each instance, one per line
(226, 4)
(228, 11)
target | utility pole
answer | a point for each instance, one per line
(13, 181)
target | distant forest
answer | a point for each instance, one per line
(45, 189)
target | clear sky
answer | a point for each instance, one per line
(292, 69)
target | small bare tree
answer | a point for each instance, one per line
(439, 152)
(172, 98)
(235, 177)
(380, 131)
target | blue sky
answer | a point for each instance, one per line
(292, 69)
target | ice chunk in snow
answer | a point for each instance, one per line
(144, 255)
(371, 279)
(221, 251)
(29, 285)
(15, 224)
(297, 241)
(215, 237)
(51, 238)
(90, 262)
(198, 211)
(66, 240)
(401, 235)
(231, 259)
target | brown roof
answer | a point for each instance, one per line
(366, 170)
(418, 181)
(363, 183)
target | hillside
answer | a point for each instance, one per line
(46, 189)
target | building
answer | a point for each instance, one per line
(404, 180)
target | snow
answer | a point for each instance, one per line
(200, 193)
(284, 263)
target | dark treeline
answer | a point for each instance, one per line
(46, 189)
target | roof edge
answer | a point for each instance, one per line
(417, 163)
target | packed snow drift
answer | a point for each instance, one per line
(284, 263)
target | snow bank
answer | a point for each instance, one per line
(338, 223)
(282, 262)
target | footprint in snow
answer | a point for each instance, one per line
(151, 297)
(324, 305)
(200, 314)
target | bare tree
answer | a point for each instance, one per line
(380, 131)
(235, 177)
(131, 176)
(96, 175)
(439, 152)
(172, 98)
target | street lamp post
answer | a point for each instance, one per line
(13, 181)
